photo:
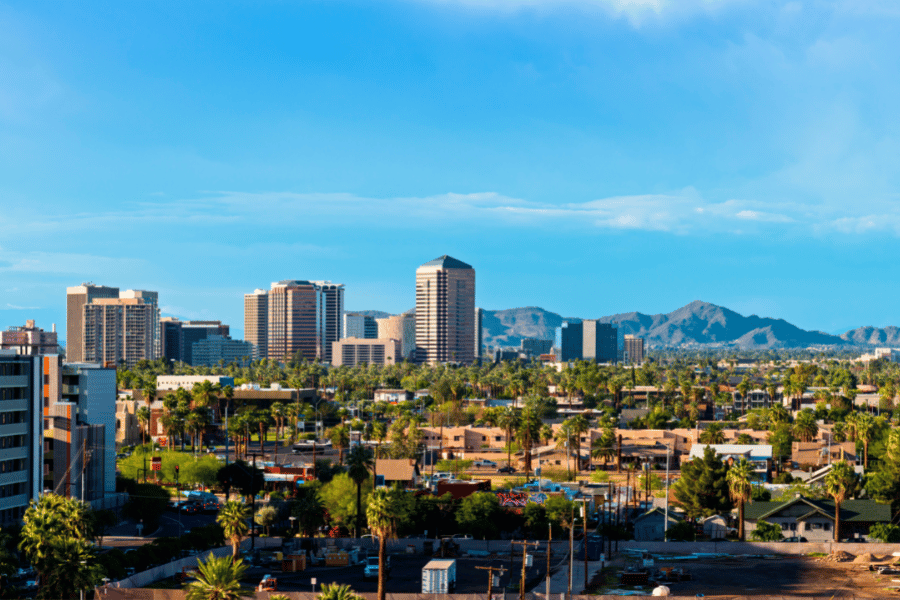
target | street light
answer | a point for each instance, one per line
(292, 519)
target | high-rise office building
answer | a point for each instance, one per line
(256, 322)
(357, 351)
(214, 348)
(359, 326)
(119, 330)
(536, 347)
(76, 298)
(445, 312)
(587, 340)
(634, 350)
(403, 328)
(29, 339)
(179, 337)
(329, 317)
(292, 320)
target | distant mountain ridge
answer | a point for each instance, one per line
(698, 324)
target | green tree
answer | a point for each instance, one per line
(714, 434)
(702, 489)
(359, 464)
(841, 483)
(604, 446)
(682, 531)
(739, 486)
(384, 513)
(508, 420)
(55, 540)
(233, 519)
(766, 532)
(478, 514)
(336, 591)
(781, 438)
(308, 507)
(885, 532)
(266, 517)
(339, 495)
(805, 426)
(218, 579)
(340, 439)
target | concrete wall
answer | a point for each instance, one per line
(760, 547)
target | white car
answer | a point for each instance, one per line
(485, 463)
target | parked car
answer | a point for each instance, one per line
(371, 569)
(484, 463)
(796, 538)
(506, 469)
(190, 508)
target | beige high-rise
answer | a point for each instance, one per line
(445, 312)
(256, 322)
(400, 327)
(292, 320)
(119, 329)
(76, 298)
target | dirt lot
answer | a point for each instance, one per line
(780, 576)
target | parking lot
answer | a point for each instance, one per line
(405, 575)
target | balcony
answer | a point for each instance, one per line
(69, 390)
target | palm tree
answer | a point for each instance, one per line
(359, 463)
(604, 446)
(383, 518)
(564, 439)
(335, 591)
(143, 417)
(218, 579)
(580, 425)
(805, 426)
(233, 519)
(528, 433)
(279, 412)
(508, 420)
(340, 439)
(840, 483)
(865, 429)
(204, 392)
(738, 477)
(714, 434)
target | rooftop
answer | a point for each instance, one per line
(447, 262)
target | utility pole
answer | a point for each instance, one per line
(525, 545)
(226, 432)
(549, 549)
(85, 459)
(584, 539)
(253, 504)
(490, 571)
(571, 549)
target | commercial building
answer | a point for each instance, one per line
(119, 331)
(479, 333)
(536, 347)
(361, 326)
(76, 298)
(400, 327)
(219, 349)
(304, 317)
(350, 352)
(179, 337)
(151, 299)
(256, 322)
(445, 312)
(169, 383)
(22, 403)
(634, 350)
(29, 340)
(80, 434)
(587, 340)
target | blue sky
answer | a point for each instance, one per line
(586, 156)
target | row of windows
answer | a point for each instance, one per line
(12, 417)
(13, 393)
(10, 369)
(9, 466)
(806, 526)
(12, 489)
(12, 441)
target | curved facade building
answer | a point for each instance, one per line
(400, 327)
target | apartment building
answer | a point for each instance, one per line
(30, 340)
(350, 352)
(76, 299)
(218, 349)
(445, 312)
(634, 350)
(151, 299)
(256, 322)
(119, 331)
(329, 317)
(304, 317)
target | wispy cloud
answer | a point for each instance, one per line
(14, 307)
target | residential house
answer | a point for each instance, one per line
(652, 525)
(819, 454)
(814, 519)
(758, 455)
(389, 471)
(392, 396)
(714, 527)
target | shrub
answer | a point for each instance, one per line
(766, 532)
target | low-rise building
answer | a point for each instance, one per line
(652, 525)
(357, 351)
(814, 519)
(758, 455)
(393, 396)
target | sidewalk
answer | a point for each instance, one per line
(559, 578)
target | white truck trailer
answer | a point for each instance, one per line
(439, 576)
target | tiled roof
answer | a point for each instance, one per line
(867, 511)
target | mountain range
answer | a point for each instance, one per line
(698, 324)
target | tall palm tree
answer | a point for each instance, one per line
(529, 432)
(714, 434)
(218, 579)
(580, 425)
(604, 446)
(865, 427)
(279, 412)
(564, 440)
(143, 417)
(840, 483)
(359, 463)
(340, 439)
(508, 420)
(233, 519)
(739, 477)
(383, 518)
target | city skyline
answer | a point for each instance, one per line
(638, 154)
